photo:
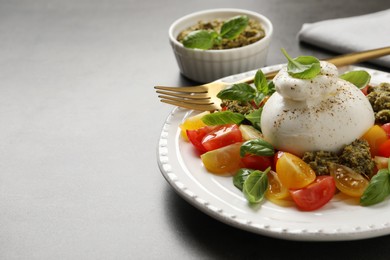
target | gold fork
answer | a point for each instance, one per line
(204, 97)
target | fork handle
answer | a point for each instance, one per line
(338, 61)
(358, 57)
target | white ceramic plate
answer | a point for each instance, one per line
(341, 219)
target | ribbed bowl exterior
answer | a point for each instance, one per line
(209, 65)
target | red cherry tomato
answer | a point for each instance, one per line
(364, 90)
(316, 194)
(196, 136)
(256, 162)
(386, 127)
(384, 149)
(222, 136)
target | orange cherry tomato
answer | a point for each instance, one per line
(293, 172)
(347, 180)
(285, 202)
(276, 190)
(375, 136)
(223, 161)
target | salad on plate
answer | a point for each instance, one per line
(301, 138)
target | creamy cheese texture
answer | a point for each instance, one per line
(324, 113)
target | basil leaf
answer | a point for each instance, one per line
(255, 118)
(240, 177)
(223, 118)
(302, 67)
(261, 82)
(259, 97)
(234, 26)
(271, 88)
(360, 78)
(200, 39)
(255, 186)
(378, 189)
(257, 147)
(239, 92)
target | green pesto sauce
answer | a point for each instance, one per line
(252, 33)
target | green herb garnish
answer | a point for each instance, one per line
(240, 177)
(223, 118)
(255, 186)
(302, 67)
(239, 92)
(234, 26)
(261, 82)
(263, 87)
(204, 39)
(360, 78)
(255, 118)
(378, 189)
(200, 39)
(245, 92)
(257, 147)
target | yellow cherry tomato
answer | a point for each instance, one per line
(276, 190)
(223, 161)
(347, 180)
(293, 172)
(375, 136)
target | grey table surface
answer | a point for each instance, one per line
(79, 127)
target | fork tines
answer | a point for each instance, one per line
(187, 97)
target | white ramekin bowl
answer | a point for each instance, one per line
(209, 65)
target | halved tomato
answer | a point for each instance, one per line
(196, 136)
(225, 160)
(277, 155)
(276, 190)
(316, 194)
(293, 172)
(191, 123)
(375, 136)
(249, 132)
(347, 180)
(221, 136)
(384, 149)
(256, 162)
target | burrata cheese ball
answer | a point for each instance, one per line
(320, 114)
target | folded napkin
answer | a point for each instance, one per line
(351, 34)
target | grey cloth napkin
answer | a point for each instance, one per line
(351, 34)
